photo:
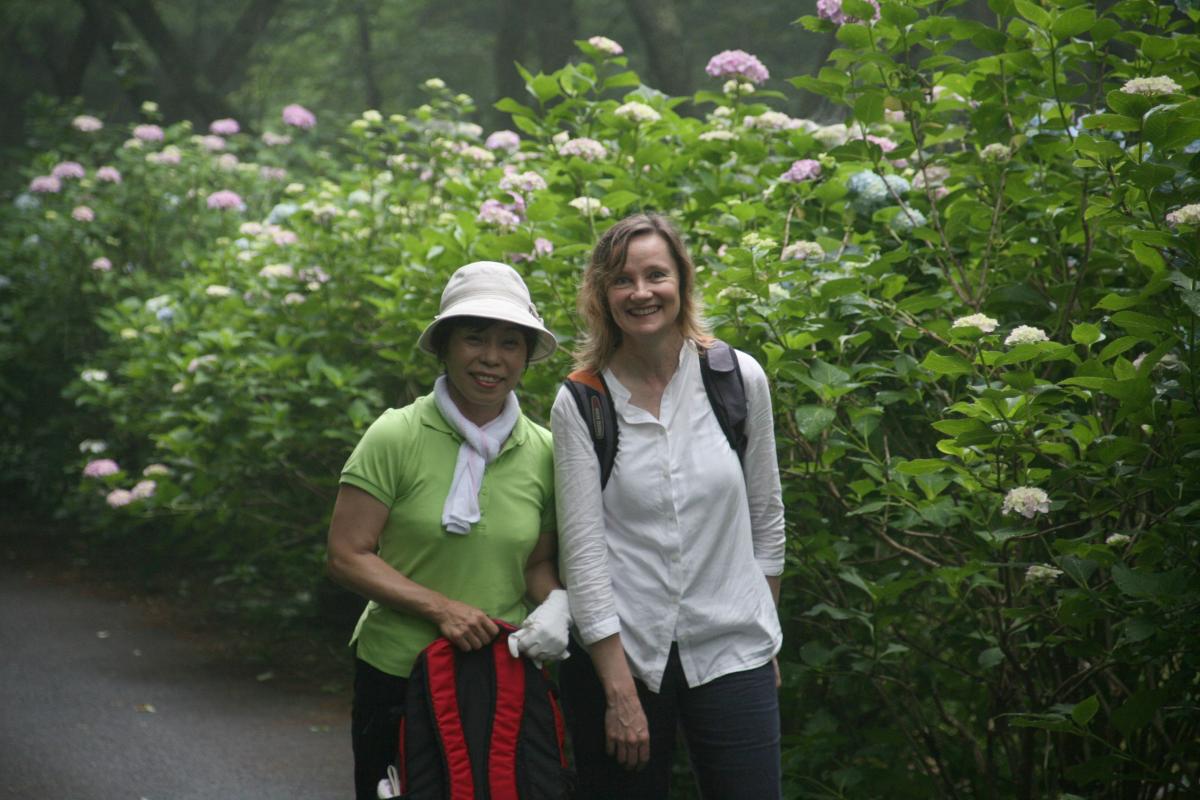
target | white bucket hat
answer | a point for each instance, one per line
(490, 290)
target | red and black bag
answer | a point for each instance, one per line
(481, 725)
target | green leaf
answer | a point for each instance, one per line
(622, 80)
(1139, 710)
(1084, 710)
(1086, 333)
(1111, 122)
(946, 365)
(1150, 584)
(812, 420)
(619, 200)
(827, 374)
(922, 466)
(1033, 13)
(868, 108)
(1131, 105)
(1148, 257)
(854, 34)
(544, 87)
(1073, 22)
(991, 657)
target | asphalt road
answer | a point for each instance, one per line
(100, 701)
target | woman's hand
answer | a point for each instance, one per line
(626, 733)
(465, 626)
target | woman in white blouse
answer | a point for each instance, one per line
(673, 566)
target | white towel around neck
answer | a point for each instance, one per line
(479, 448)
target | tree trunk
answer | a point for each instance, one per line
(510, 47)
(228, 65)
(556, 29)
(662, 32)
(363, 14)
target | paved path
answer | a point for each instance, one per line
(98, 701)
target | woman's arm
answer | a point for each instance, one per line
(541, 569)
(353, 561)
(764, 493)
(584, 561)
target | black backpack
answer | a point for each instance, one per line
(722, 382)
(481, 724)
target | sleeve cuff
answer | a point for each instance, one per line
(366, 486)
(771, 567)
(592, 632)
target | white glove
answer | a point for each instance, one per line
(544, 634)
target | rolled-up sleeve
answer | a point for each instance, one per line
(582, 546)
(763, 491)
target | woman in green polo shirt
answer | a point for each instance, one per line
(445, 517)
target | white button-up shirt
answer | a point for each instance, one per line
(677, 546)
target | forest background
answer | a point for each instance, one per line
(962, 238)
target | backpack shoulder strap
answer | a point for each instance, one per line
(726, 393)
(596, 408)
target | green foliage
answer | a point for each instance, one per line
(979, 318)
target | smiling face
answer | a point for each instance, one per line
(643, 297)
(484, 364)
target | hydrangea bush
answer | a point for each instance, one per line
(975, 296)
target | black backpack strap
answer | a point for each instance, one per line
(726, 393)
(596, 408)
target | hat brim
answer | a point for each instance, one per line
(500, 311)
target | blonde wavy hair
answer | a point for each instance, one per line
(603, 337)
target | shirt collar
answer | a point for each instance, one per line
(431, 417)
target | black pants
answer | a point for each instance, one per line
(374, 726)
(730, 726)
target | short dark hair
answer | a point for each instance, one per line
(443, 330)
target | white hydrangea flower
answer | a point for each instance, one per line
(276, 271)
(478, 154)
(143, 489)
(585, 148)
(1118, 539)
(293, 299)
(1026, 334)
(434, 84)
(772, 121)
(95, 446)
(637, 112)
(93, 376)
(830, 136)
(522, 182)
(217, 290)
(156, 469)
(1042, 573)
(981, 321)
(590, 206)
(1151, 87)
(995, 153)
(802, 251)
(371, 115)
(717, 136)
(1028, 501)
(1185, 215)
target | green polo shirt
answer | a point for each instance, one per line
(406, 461)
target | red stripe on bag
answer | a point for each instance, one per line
(443, 694)
(506, 723)
(560, 730)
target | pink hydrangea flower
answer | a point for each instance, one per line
(224, 199)
(273, 173)
(493, 212)
(832, 11)
(101, 468)
(45, 184)
(803, 170)
(585, 148)
(148, 133)
(737, 64)
(212, 142)
(606, 45)
(503, 140)
(83, 214)
(224, 127)
(101, 264)
(885, 144)
(542, 247)
(68, 169)
(108, 175)
(298, 116)
(119, 497)
(143, 489)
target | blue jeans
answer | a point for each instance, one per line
(730, 726)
